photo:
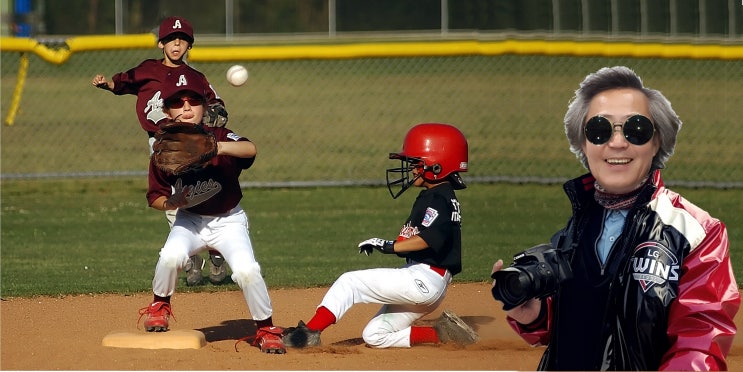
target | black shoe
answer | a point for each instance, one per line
(300, 336)
(193, 270)
(217, 269)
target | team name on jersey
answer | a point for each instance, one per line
(456, 214)
(202, 191)
(653, 263)
(408, 231)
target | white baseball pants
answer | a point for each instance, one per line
(408, 293)
(229, 234)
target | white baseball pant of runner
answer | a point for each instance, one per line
(408, 293)
(229, 234)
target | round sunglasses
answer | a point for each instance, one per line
(637, 130)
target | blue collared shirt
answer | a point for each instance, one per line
(613, 224)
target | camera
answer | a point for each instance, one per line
(534, 273)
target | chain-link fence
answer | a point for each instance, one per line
(323, 120)
(658, 18)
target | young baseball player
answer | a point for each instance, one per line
(429, 241)
(145, 81)
(208, 215)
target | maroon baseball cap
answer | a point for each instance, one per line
(175, 25)
(183, 80)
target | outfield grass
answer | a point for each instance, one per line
(338, 119)
(327, 120)
(98, 236)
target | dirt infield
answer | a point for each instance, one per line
(66, 333)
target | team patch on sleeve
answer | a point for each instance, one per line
(429, 217)
(653, 263)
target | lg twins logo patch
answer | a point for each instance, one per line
(653, 263)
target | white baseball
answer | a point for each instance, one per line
(237, 75)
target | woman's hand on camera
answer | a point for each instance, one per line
(525, 313)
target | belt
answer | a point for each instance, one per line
(439, 270)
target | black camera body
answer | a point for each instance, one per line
(534, 273)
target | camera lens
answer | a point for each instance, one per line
(512, 287)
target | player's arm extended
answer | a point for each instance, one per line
(414, 243)
(99, 81)
(238, 149)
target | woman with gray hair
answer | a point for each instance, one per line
(644, 279)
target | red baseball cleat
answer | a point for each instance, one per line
(157, 314)
(269, 340)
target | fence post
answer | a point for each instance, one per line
(18, 91)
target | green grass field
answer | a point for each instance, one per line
(328, 120)
(338, 119)
(98, 236)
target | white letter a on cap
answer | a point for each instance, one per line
(177, 24)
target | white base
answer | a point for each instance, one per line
(180, 339)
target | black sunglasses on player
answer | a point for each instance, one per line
(177, 103)
(638, 130)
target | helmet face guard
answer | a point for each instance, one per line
(401, 178)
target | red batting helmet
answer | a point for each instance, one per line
(439, 150)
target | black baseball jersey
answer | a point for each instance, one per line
(436, 218)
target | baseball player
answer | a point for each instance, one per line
(145, 81)
(209, 215)
(429, 241)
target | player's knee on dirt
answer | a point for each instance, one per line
(377, 334)
(244, 275)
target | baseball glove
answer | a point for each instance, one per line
(180, 147)
(215, 115)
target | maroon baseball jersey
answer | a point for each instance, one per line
(145, 81)
(213, 190)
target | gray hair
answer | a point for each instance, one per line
(667, 123)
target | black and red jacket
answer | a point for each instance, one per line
(665, 300)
